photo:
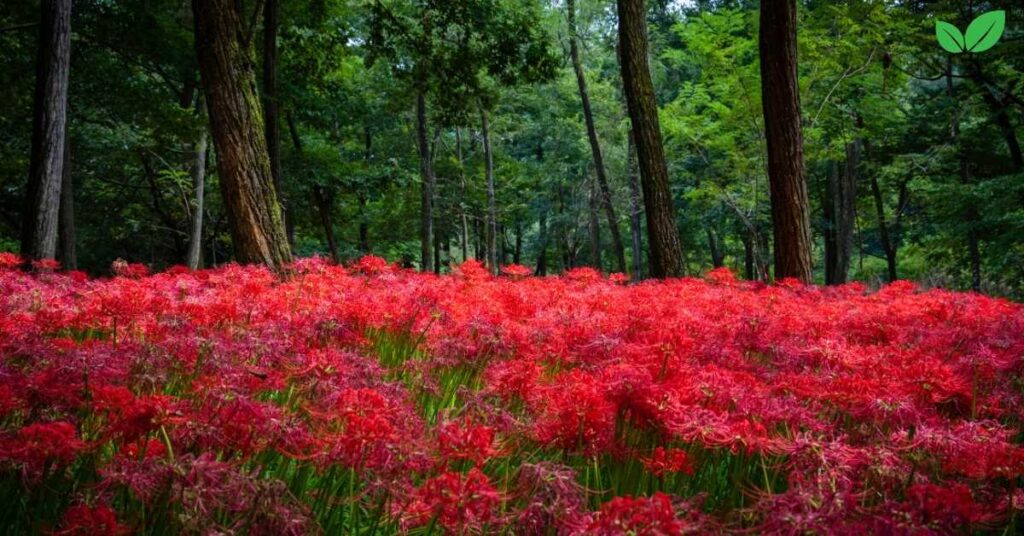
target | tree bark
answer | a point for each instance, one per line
(787, 179)
(492, 206)
(49, 132)
(970, 211)
(198, 172)
(717, 256)
(663, 236)
(247, 185)
(594, 225)
(427, 186)
(272, 123)
(595, 144)
(66, 228)
(635, 210)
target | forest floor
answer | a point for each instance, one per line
(368, 399)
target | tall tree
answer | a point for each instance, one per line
(840, 215)
(271, 113)
(786, 175)
(595, 143)
(665, 251)
(49, 132)
(427, 184)
(246, 181)
(492, 207)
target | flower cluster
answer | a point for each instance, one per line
(369, 397)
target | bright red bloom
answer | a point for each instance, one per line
(465, 441)
(653, 516)
(91, 521)
(662, 462)
(458, 503)
(38, 445)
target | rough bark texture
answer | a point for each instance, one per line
(663, 236)
(635, 210)
(595, 145)
(426, 187)
(787, 179)
(49, 132)
(492, 207)
(195, 244)
(271, 115)
(247, 187)
(66, 229)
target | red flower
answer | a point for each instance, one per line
(650, 516)
(458, 503)
(662, 462)
(38, 445)
(91, 521)
(464, 441)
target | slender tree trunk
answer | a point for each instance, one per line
(364, 225)
(970, 211)
(272, 124)
(594, 225)
(247, 184)
(840, 216)
(635, 210)
(325, 206)
(427, 186)
(492, 207)
(595, 144)
(198, 172)
(717, 256)
(542, 244)
(787, 179)
(40, 220)
(66, 242)
(663, 236)
(883, 229)
(463, 202)
(517, 253)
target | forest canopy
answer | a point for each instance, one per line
(430, 132)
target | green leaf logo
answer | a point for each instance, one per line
(982, 34)
(950, 37)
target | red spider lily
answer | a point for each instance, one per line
(464, 441)
(91, 521)
(642, 515)
(662, 462)
(459, 503)
(36, 446)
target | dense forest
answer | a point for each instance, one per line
(430, 132)
(523, 267)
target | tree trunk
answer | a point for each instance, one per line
(325, 206)
(717, 256)
(542, 244)
(364, 225)
(998, 109)
(247, 185)
(663, 236)
(787, 180)
(595, 144)
(840, 216)
(594, 226)
(198, 172)
(427, 186)
(66, 232)
(463, 205)
(492, 207)
(970, 211)
(272, 124)
(635, 210)
(41, 216)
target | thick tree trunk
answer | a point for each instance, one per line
(247, 185)
(663, 236)
(595, 145)
(635, 210)
(66, 233)
(787, 179)
(271, 115)
(198, 172)
(41, 216)
(492, 206)
(427, 185)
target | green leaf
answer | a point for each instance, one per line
(949, 37)
(985, 31)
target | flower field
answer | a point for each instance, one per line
(367, 399)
